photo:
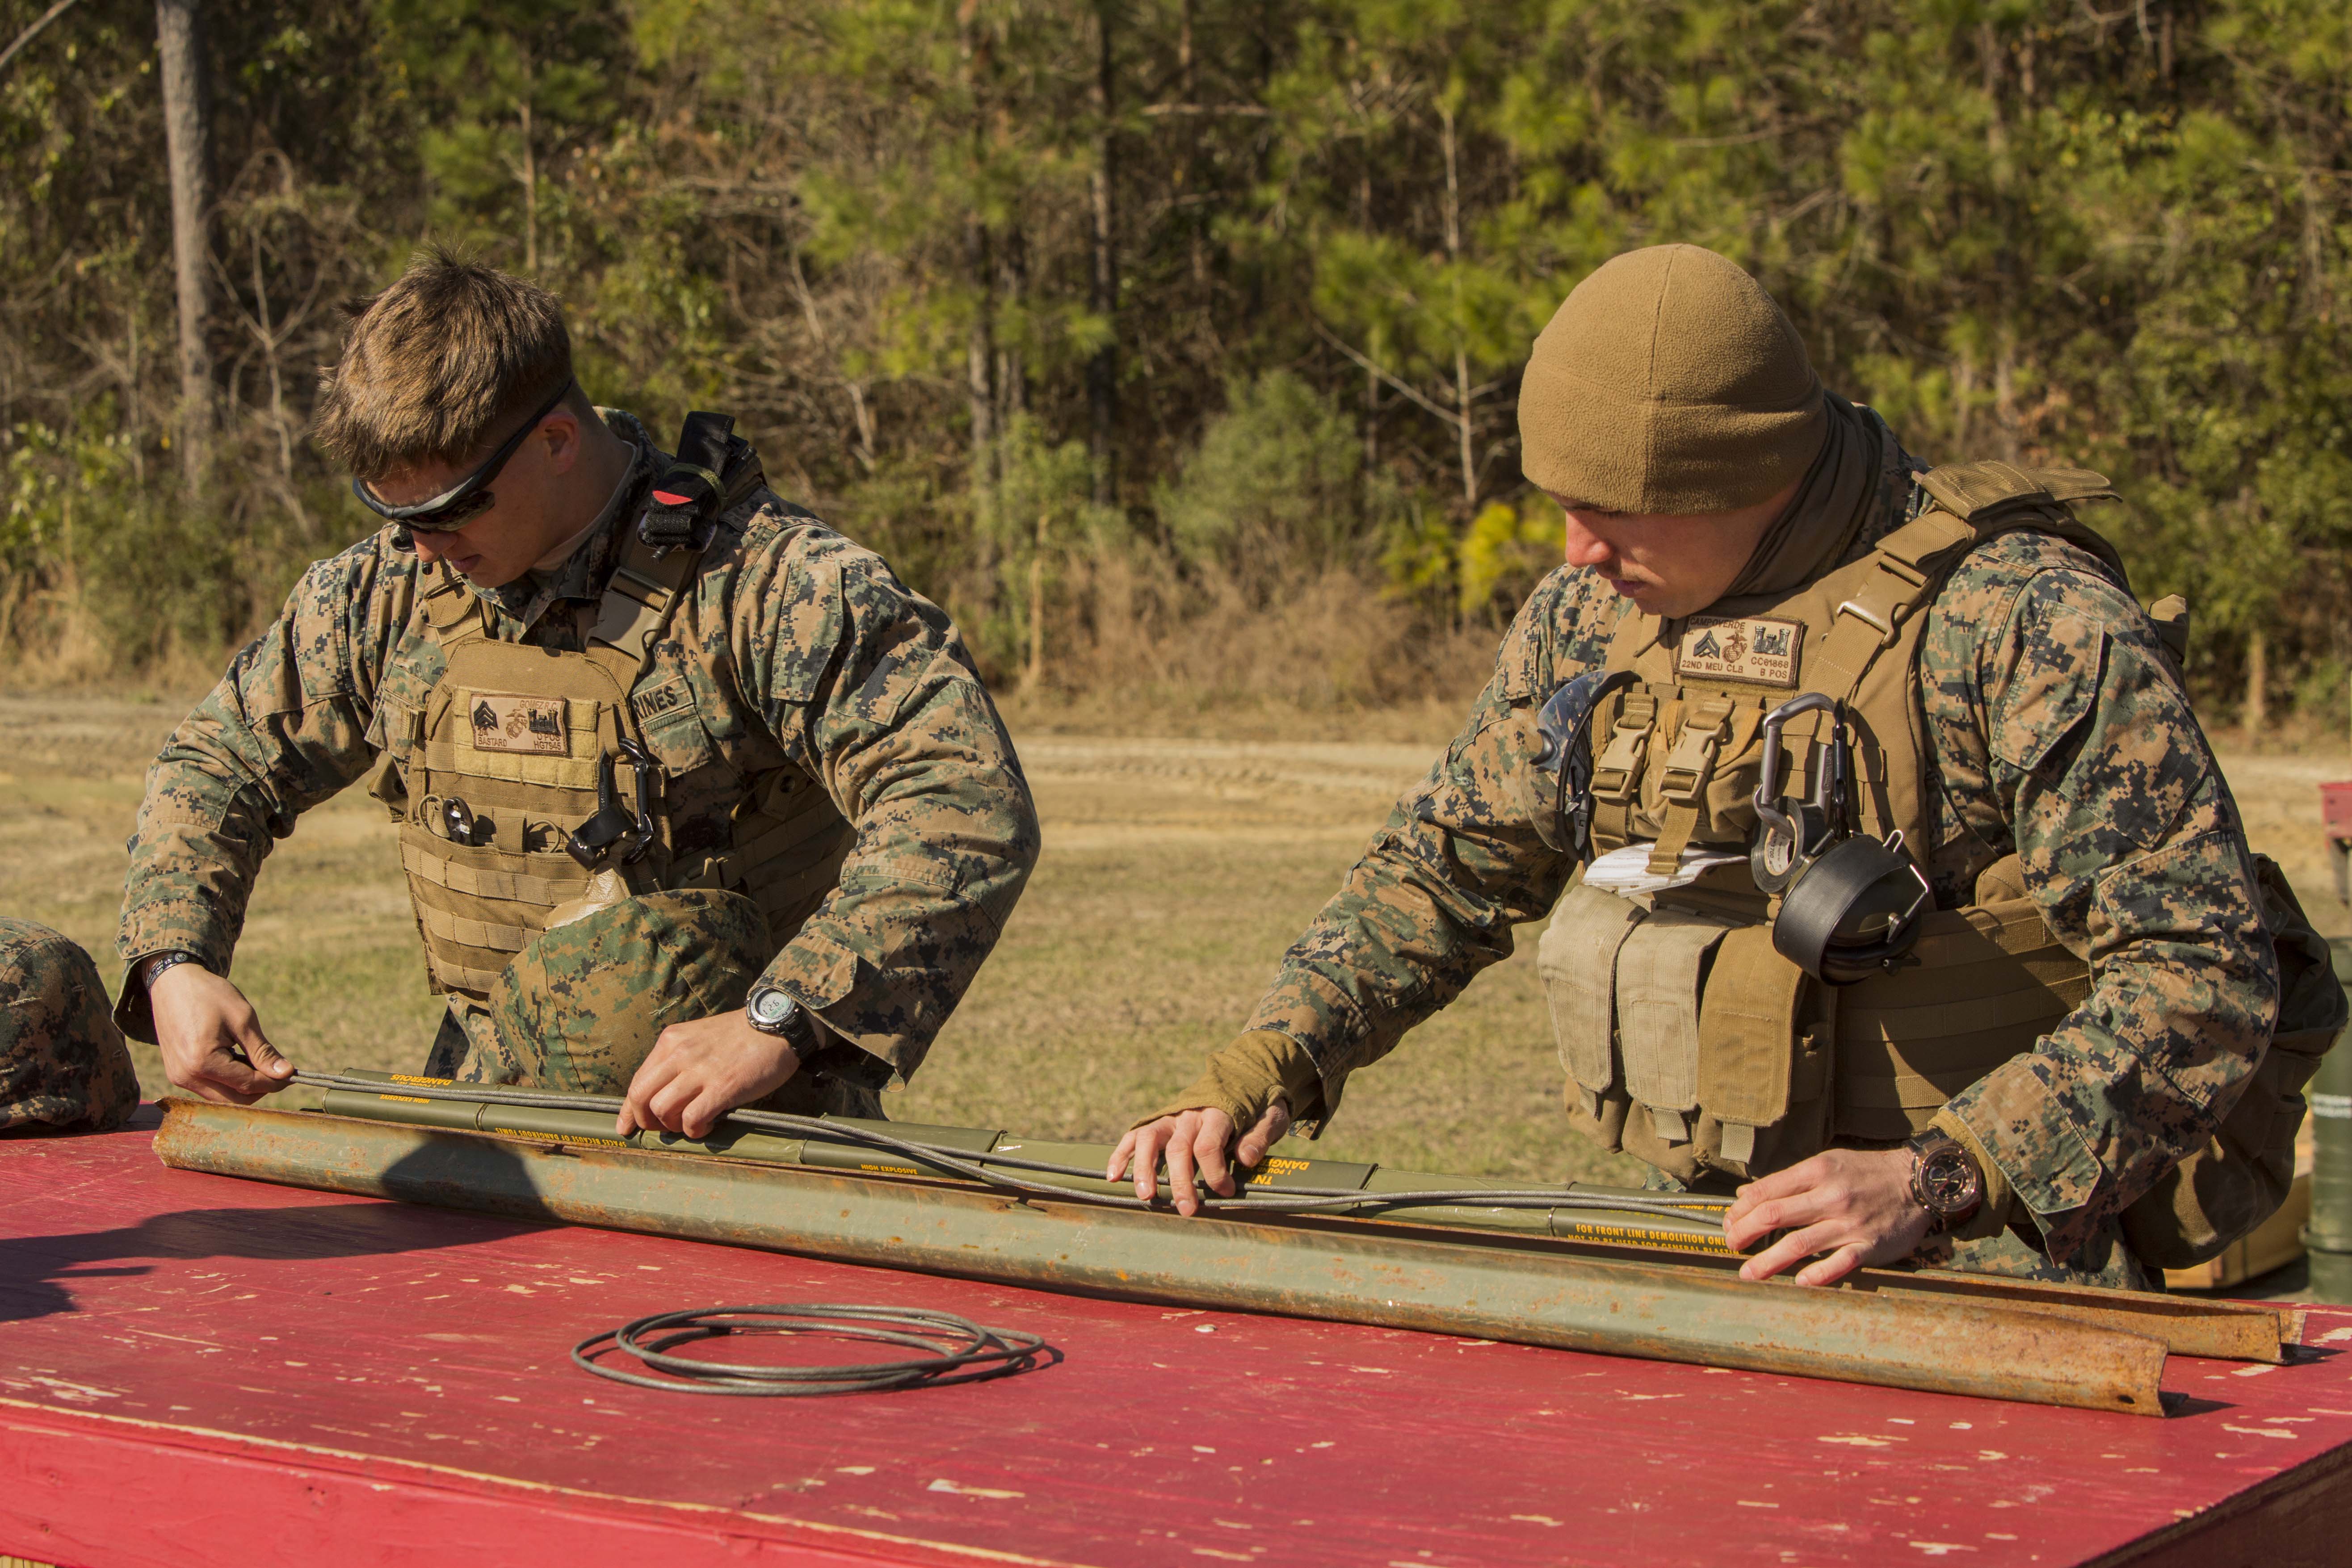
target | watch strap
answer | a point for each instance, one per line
(152, 967)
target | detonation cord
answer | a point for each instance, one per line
(957, 1349)
(975, 1167)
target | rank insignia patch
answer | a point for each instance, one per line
(1724, 648)
(534, 725)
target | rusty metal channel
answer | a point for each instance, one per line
(2226, 1330)
(1368, 1274)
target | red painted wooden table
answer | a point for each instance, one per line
(196, 1370)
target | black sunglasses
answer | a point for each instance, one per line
(469, 498)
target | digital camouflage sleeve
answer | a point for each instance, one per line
(2058, 730)
(797, 647)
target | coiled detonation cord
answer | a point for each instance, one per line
(995, 1170)
(958, 1350)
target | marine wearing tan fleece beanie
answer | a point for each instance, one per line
(1669, 382)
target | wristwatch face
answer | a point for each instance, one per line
(770, 1009)
(1949, 1183)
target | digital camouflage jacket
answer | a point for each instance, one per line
(798, 649)
(2058, 731)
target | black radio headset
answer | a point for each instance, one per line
(1849, 904)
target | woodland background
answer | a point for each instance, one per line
(1174, 344)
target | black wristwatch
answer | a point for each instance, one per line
(774, 1011)
(1945, 1181)
(152, 967)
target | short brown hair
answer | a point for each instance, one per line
(435, 365)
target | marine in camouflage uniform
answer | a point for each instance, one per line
(63, 1065)
(793, 649)
(2061, 734)
(2054, 728)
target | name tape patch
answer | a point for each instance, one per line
(505, 722)
(655, 701)
(1727, 648)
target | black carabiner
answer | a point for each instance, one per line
(594, 838)
(459, 818)
(645, 773)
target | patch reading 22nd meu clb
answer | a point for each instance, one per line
(534, 725)
(1727, 648)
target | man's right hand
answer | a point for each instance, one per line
(200, 1020)
(1194, 1139)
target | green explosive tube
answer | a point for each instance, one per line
(1631, 1226)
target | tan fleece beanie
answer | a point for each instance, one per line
(1669, 382)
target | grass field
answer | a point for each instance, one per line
(1175, 872)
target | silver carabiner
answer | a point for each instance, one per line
(1784, 839)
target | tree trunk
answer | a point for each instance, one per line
(1034, 675)
(530, 190)
(980, 373)
(980, 266)
(1468, 453)
(179, 36)
(1012, 370)
(1102, 370)
(2004, 397)
(1372, 376)
(2256, 715)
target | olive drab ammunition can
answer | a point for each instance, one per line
(2327, 1238)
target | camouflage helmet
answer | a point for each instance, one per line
(63, 1065)
(582, 1005)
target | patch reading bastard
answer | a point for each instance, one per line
(505, 723)
(1726, 647)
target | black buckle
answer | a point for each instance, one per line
(686, 500)
(463, 826)
(593, 839)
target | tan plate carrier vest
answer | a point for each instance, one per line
(1691, 1043)
(519, 733)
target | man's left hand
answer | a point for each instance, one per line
(1845, 1208)
(698, 1071)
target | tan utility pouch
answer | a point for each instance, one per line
(1671, 1020)
(1764, 1056)
(2240, 1176)
(1577, 960)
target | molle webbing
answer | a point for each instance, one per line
(519, 734)
(1756, 1059)
(1676, 757)
(788, 846)
(1986, 982)
(1689, 1041)
(478, 904)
